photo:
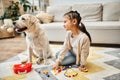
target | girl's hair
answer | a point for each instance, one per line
(76, 15)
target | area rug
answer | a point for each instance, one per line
(103, 64)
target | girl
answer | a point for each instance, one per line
(76, 44)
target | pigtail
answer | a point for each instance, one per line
(83, 29)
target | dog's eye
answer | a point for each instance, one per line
(23, 18)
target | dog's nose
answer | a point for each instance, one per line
(14, 23)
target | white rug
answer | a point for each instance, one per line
(103, 64)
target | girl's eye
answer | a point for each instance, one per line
(23, 18)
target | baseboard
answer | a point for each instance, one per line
(7, 37)
(56, 42)
(106, 45)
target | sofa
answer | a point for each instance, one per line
(101, 20)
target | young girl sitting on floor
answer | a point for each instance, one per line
(77, 42)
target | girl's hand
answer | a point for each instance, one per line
(83, 68)
(56, 65)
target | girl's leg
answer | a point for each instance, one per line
(69, 59)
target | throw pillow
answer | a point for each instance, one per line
(89, 12)
(111, 11)
(45, 17)
(58, 11)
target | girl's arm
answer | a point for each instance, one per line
(61, 56)
(84, 53)
(65, 48)
(63, 52)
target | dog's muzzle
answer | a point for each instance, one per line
(17, 29)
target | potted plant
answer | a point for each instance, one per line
(11, 12)
(25, 4)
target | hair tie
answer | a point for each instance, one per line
(80, 24)
(76, 11)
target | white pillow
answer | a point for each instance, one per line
(58, 11)
(111, 11)
(89, 12)
(45, 17)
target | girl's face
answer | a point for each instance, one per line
(68, 24)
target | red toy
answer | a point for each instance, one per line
(22, 68)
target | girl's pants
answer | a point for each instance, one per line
(69, 58)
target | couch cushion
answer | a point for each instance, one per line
(58, 11)
(89, 12)
(111, 11)
(45, 17)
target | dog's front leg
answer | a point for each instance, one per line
(46, 62)
(29, 52)
(29, 56)
(40, 57)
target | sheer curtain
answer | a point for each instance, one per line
(43, 4)
(40, 4)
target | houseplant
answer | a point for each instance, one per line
(11, 12)
(25, 4)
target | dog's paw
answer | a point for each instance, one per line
(46, 62)
(38, 61)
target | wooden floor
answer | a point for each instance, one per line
(11, 46)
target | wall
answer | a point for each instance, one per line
(70, 2)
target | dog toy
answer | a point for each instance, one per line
(70, 73)
(22, 68)
(56, 71)
(61, 68)
(46, 73)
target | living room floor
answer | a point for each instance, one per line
(103, 62)
(10, 47)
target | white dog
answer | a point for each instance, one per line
(37, 41)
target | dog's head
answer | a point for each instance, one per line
(25, 23)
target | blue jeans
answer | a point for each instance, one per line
(69, 58)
